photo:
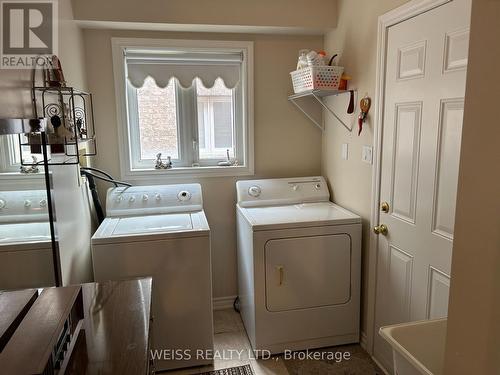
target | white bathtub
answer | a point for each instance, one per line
(418, 347)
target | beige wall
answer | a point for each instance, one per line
(473, 342)
(71, 51)
(318, 14)
(16, 84)
(355, 40)
(286, 144)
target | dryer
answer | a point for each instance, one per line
(299, 264)
(161, 231)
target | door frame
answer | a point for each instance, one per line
(409, 10)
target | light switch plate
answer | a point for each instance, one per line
(345, 151)
(367, 154)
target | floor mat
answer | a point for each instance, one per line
(240, 370)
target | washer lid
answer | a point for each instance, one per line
(160, 225)
(153, 223)
(298, 215)
(19, 233)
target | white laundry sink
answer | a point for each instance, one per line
(418, 347)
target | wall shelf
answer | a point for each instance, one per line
(318, 95)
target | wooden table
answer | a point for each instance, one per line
(114, 338)
(13, 308)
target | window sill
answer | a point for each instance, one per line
(186, 172)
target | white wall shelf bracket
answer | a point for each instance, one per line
(318, 95)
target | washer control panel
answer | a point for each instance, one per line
(252, 193)
(184, 196)
(155, 199)
(23, 206)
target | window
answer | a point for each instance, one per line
(157, 120)
(215, 121)
(157, 126)
(10, 155)
(188, 100)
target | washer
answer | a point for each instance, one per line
(25, 242)
(299, 260)
(161, 231)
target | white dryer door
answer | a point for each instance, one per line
(308, 272)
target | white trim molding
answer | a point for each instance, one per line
(202, 28)
(119, 46)
(223, 303)
(409, 10)
(362, 340)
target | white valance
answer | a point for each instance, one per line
(162, 65)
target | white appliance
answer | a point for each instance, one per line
(299, 260)
(161, 231)
(25, 241)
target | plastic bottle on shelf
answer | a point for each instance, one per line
(302, 63)
(312, 59)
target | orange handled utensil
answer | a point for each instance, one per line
(364, 105)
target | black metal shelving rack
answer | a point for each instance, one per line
(75, 109)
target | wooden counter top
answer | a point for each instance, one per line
(13, 308)
(114, 338)
(117, 317)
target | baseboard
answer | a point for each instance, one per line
(362, 341)
(222, 303)
(380, 366)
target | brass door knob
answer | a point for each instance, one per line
(384, 207)
(381, 229)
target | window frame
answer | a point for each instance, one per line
(8, 162)
(244, 132)
(10, 176)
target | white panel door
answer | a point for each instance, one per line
(308, 272)
(423, 110)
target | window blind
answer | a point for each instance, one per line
(162, 65)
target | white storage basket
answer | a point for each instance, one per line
(317, 78)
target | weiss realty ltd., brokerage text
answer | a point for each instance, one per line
(234, 354)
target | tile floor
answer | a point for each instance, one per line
(230, 335)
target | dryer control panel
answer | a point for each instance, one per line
(155, 199)
(282, 191)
